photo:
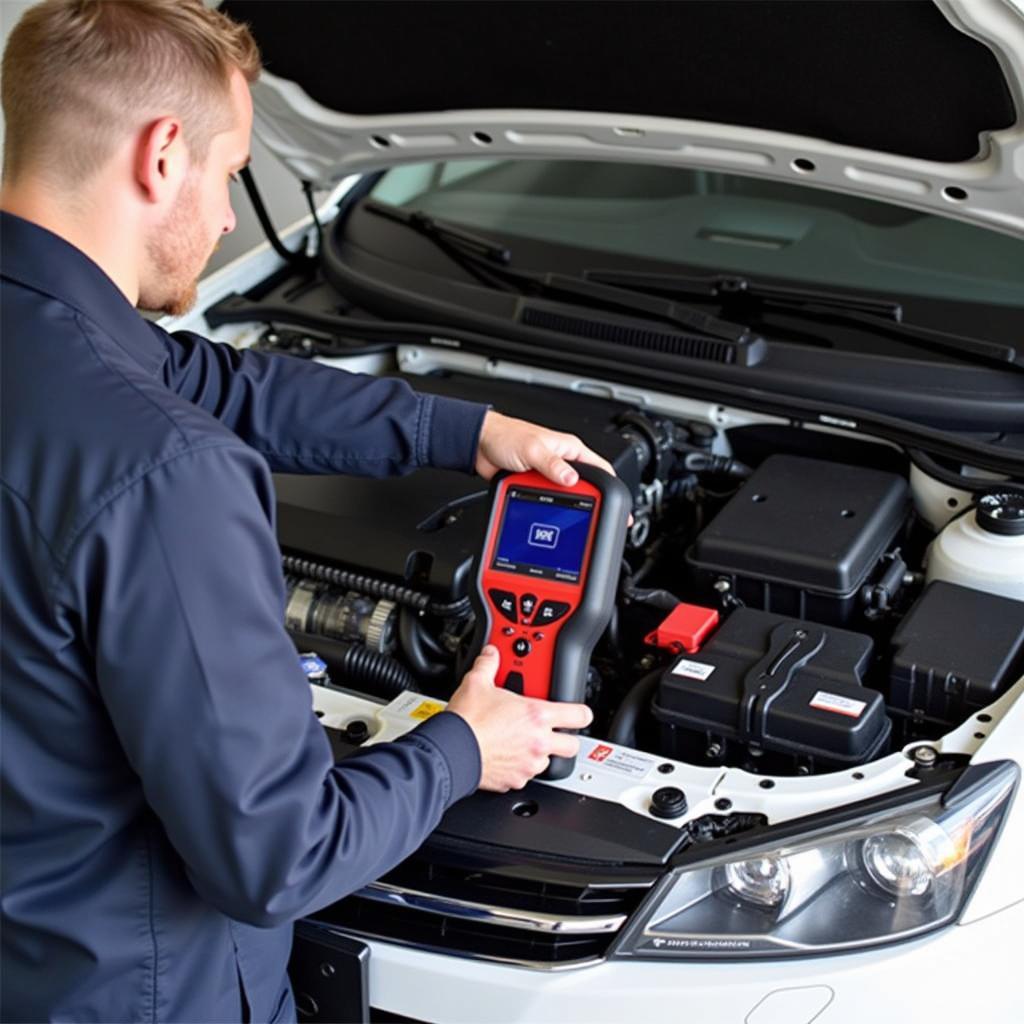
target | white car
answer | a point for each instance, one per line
(769, 260)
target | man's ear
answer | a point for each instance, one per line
(161, 159)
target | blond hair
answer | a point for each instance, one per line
(80, 76)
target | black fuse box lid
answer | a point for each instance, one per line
(957, 649)
(783, 684)
(807, 523)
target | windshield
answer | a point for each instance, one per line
(724, 223)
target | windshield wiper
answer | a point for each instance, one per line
(877, 314)
(728, 287)
(493, 251)
(488, 261)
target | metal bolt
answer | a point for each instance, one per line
(327, 970)
(586, 777)
(925, 756)
(714, 750)
(722, 586)
(800, 634)
(723, 804)
(666, 768)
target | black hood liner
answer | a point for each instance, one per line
(893, 76)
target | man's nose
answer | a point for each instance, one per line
(231, 221)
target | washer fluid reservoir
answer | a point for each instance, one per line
(983, 549)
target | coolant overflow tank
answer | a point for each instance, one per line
(984, 548)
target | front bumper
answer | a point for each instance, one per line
(967, 972)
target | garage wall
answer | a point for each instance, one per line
(280, 189)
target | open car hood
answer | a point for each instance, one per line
(913, 103)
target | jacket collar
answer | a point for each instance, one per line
(38, 259)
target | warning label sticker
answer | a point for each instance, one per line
(623, 762)
(414, 705)
(837, 704)
(426, 709)
(693, 669)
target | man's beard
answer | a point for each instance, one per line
(176, 255)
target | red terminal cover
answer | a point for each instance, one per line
(684, 629)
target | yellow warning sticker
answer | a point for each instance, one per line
(426, 709)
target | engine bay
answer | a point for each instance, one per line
(774, 611)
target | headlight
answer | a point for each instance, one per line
(879, 877)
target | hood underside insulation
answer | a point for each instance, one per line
(895, 77)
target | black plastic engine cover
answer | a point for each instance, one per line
(770, 683)
(956, 650)
(424, 528)
(802, 536)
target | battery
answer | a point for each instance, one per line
(768, 683)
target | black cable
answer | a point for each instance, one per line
(307, 191)
(401, 595)
(655, 597)
(295, 259)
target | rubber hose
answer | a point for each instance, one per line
(973, 484)
(623, 727)
(412, 647)
(376, 670)
(353, 665)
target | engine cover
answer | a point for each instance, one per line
(801, 537)
(424, 529)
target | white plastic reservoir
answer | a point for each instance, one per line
(983, 548)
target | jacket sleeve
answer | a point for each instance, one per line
(180, 594)
(304, 417)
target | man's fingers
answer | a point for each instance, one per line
(561, 472)
(564, 745)
(486, 664)
(569, 716)
(586, 455)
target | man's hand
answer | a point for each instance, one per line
(516, 734)
(517, 445)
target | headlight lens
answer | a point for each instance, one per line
(763, 881)
(897, 863)
(877, 878)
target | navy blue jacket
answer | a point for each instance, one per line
(170, 804)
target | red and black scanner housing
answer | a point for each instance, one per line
(545, 609)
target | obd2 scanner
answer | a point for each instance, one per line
(546, 579)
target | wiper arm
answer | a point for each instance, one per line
(877, 314)
(488, 261)
(730, 286)
(594, 293)
(495, 252)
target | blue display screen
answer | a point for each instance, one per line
(543, 534)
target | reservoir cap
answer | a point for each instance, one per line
(668, 802)
(1002, 513)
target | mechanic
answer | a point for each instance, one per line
(170, 804)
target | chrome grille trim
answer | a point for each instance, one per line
(368, 935)
(483, 913)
